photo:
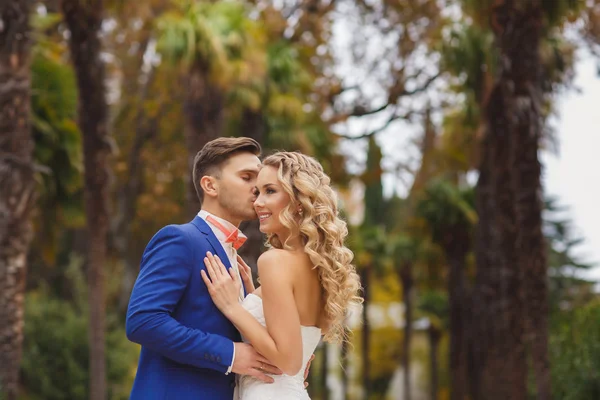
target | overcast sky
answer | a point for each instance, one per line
(574, 174)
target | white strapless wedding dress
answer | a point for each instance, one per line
(285, 387)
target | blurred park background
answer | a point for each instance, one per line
(441, 122)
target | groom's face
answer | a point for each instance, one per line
(236, 185)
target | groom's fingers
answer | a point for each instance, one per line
(270, 369)
(260, 376)
(266, 366)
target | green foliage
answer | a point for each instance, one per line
(374, 204)
(216, 37)
(434, 305)
(575, 355)
(468, 54)
(58, 147)
(444, 207)
(58, 140)
(568, 290)
(55, 350)
(370, 247)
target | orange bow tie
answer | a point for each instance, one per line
(232, 237)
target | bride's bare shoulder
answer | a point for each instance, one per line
(273, 259)
(273, 256)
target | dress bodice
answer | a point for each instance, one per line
(285, 386)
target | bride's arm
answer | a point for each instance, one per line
(281, 341)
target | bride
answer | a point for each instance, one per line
(307, 279)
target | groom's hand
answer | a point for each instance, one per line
(249, 362)
(307, 369)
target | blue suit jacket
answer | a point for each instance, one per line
(187, 343)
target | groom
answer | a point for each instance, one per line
(189, 349)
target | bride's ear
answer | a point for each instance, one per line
(209, 185)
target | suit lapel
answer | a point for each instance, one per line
(216, 245)
(212, 239)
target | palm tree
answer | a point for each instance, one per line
(529, 61)
(434, 306)
(369, 247)
(218, 46)
(84, 20)
(450, 214)
(404, 250)
(515, 119)
(370, 250)
(18, 184)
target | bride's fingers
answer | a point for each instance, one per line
(233, 275)
(209, 269)
(242, 262)
(206, 280)
(219, 266)
(215, 265)
(222, 267)
(244, 273)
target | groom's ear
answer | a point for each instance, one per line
(209, 185)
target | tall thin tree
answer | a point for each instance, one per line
(17, 183)
(84, 20)
(514, 120)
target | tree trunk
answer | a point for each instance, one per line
(84, 20)
(365, 275)
(503, 367)
(324, 372)
(520, 40)
(344, 362)
(457, 295)
(17, 181)
(512, 291)
(407, 281)
(203, 110)
(486, 277)
(254, 125)
(434, 343)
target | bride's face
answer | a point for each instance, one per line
(270, 201)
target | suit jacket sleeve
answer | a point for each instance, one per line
(164, 275)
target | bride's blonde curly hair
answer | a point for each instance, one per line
(322, 233)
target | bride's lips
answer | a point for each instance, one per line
(262, 216)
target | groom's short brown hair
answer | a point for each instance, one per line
(210, 159)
